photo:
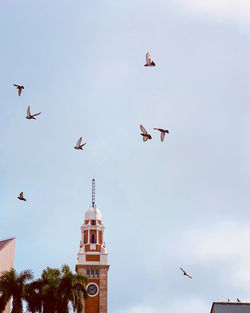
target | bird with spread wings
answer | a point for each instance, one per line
(163, 132)
(20, 197)
(19, 88)
(78, 144)
(148, 60)
(30, 116)
(185, 273)
(144, 134)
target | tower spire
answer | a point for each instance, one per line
(93, 192)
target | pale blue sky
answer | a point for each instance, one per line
(184, 202)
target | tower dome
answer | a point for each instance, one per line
(93, 214)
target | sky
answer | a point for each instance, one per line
(182, 202)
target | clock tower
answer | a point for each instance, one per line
(93, 259)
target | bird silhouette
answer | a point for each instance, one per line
(238, 300)
(19, 89)
(185, 273)
(144, 134)
(29, 116)
(163, 132)
(148, 60)
(20, 197)
(78, 144)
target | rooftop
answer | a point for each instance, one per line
(230, 307)
(4, 242)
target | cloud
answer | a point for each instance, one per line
(223, 241)
(230, 9)
(226, 243)
(193, 305)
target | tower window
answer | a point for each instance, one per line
(93, 222)
(93, 273)
(93, 239)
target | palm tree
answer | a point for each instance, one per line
(49, 285)
(33, 296)
(58, 288)
(12, 286)
(71, 289)
(52, 293)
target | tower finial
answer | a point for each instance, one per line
(93, 193)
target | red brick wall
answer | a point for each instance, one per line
(92, 303)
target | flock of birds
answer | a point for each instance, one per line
(147, 136)
(79, 146)
(144, 133)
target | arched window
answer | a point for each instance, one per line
(93, 240)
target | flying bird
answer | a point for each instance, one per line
(78, 144)
(163, 132)
(20, 197)
(29, 116)
(19, 89)
(185, 273)
(238, 300)
(144, 134)
(148, 60)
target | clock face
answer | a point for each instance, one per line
(92, 289)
